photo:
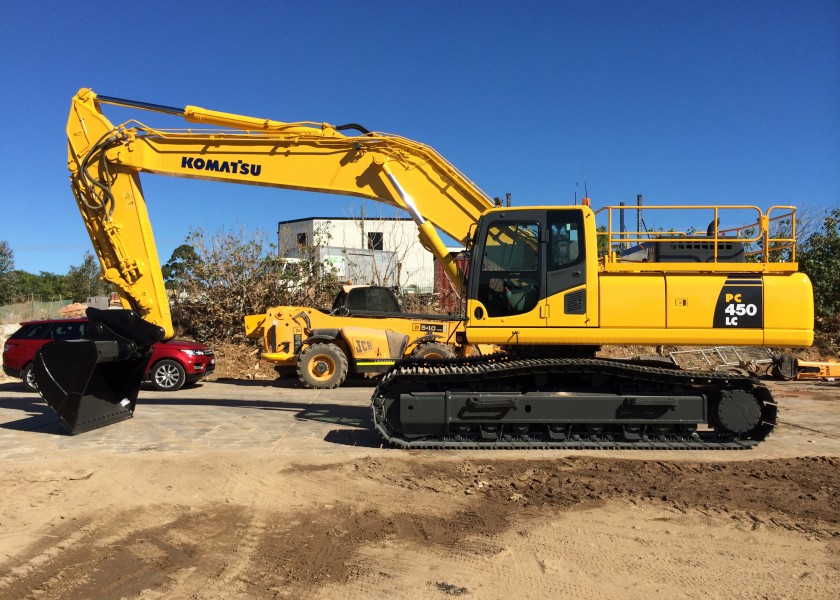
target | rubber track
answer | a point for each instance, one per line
(495, 367)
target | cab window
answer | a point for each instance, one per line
(372, 298)
(509, 281)
(564, 239)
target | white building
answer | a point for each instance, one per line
(393, 241)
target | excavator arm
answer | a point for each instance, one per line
(95, 381)
(105, 162)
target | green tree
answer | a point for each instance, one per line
(180, 266)
(17, 285)
(819, 258)
(7, 264)
(603, 240)
(44, 286)
(85, 280)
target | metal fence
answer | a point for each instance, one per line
(721, 356)
(29, 311)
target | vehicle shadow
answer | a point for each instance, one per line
(292, 382)
(41, 418)
(358, 418)
(12, 386)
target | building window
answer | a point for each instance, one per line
(375, 240)
(301, 240)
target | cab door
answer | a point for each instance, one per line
(507, 277)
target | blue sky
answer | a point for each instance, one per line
(683, 102)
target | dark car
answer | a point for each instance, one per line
(174, 363)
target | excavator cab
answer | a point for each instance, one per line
(531, 270)
(94, 381)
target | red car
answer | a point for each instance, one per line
(174, 363)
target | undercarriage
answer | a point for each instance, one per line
(508, 403)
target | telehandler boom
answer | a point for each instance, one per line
(535, 286)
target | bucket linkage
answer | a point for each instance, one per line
(94, 381)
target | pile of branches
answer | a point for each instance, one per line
(215, 280)
(827, 335)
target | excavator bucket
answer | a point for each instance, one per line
(93, 382)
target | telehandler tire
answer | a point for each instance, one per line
(433, 351)
(322, 366)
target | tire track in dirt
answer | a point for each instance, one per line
(129, 552)
(440, 528)
(320, 546)
(652, 549)
(827, 434)
(800, 492)
(748, 496)
(41, 554)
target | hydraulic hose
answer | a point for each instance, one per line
(99, 149)
(355, 126)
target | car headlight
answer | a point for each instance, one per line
(197, 352)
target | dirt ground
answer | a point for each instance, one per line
(257, 489)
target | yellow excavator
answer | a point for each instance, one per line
(536, 287)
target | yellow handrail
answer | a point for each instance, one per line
(757, 232)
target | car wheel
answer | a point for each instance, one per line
(168, 376)
(433, 351)
(29, 378)
(322, 366)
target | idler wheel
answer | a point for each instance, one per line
(738, 411)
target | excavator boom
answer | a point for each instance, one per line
(105, 161)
